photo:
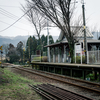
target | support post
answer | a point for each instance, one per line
(95, 73)
(87, 57)
(99, 75)
(75, 52)
(85, 40)
(83, 74)
(98, 53)
(87, 54)
(64, 53)
(81, 54)
(48, 68)
(43, 67)
(54, 54)
(71, 73)
(49, 54)
(58, 54)
(61, 71)
(54, 69)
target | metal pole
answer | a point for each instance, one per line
(48, 49)
(81, 53)
(75, 52)
(85, 40)
(1, 58)
(29, 47)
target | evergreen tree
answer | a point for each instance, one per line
(33, 44)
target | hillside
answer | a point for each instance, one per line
(16, 40)
(13, 40)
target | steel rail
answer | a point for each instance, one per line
(30, 71)
(59, 93)
(49, 97)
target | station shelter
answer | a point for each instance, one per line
(59, 52)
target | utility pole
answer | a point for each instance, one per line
(29, 47)
(48, 49)
(1, 54)
(84, 25)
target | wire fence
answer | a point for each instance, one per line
(35, 58)
(94, 57)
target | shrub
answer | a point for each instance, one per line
(78, 59)
(42, 59)
(14, 58)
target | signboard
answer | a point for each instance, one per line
(38, 52)
(1, 48)
(78, 48)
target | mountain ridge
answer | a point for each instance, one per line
(15, 40)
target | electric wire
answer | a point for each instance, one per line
(17, 20)
(9, 6)
(10, 15)
(16, 26)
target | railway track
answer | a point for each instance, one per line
(52, 92)
(95, 87)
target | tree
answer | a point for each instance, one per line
(28, 47)
(20, 49)
(5, 49)
(60, 12)
(34, 45)
(51, 39)
(38, 20)
(12, 54)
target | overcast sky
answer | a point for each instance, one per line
(23, 27)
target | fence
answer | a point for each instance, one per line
(94, 57)
(35, 58)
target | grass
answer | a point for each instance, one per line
(15, 87)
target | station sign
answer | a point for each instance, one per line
(1, 48)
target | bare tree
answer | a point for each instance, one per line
(37, 19)
(60, 12)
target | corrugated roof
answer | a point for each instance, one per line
(65, 42)
(79, 34)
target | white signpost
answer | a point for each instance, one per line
(78, 49)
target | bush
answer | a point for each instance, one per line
(14, 58)
(78, 59)
(43, 58)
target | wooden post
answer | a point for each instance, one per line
(83, 74)
(54, 69)
(54, 54)
(61, 71)
(95, 75)
(58, 54)
(71, 73)
(99, 75)
(65, 53)
(48, 68)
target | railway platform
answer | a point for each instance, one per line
(73, 70)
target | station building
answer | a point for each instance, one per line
(59, 52)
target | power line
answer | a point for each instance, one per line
(16, 20)
(10, 6)
(15, 26)
(9, 15)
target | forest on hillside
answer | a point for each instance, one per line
(23, 51)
